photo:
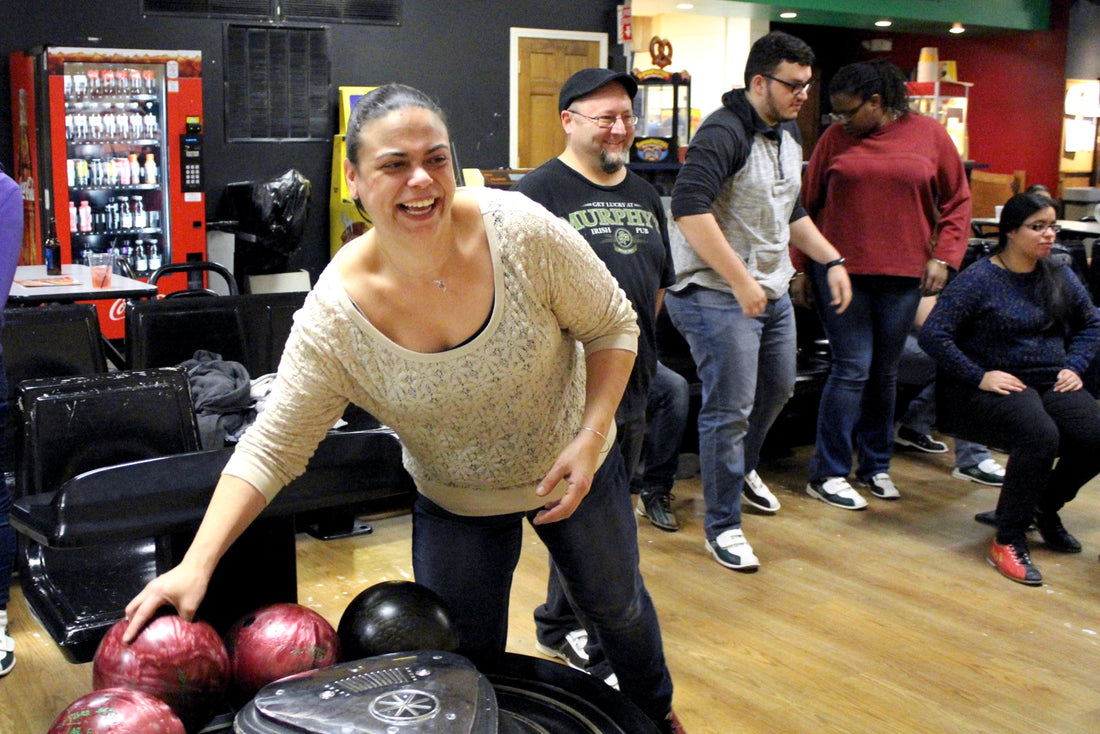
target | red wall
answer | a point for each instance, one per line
(1016, 104)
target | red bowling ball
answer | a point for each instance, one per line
(276, 641)
(117, 711)
(184, 664)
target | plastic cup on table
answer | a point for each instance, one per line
(101, 263)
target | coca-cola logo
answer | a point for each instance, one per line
(117, 311)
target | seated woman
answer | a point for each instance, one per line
(1012, 335)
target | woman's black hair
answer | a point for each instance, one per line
(376, 104)
(867, 78)
(380, 102)
(1050, 284)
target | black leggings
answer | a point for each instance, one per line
(1033, 426)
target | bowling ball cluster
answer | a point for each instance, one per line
(176, 675)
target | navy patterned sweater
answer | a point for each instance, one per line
(989, 318)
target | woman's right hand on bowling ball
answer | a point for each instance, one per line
(181, 588)
(233, 506)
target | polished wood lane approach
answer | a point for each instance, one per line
(888, 620)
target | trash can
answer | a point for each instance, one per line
(269, 219)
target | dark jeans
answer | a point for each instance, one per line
(469, 561)
(666, 418)
(866, 342)
(7, 533)
(1034, 426)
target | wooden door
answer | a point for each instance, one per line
(544, 65)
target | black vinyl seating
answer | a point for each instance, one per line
(111, 495)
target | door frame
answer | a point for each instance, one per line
(514, 34)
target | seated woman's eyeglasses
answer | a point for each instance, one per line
(608, 121)
(1043, 227)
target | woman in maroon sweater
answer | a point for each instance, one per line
(888, 189)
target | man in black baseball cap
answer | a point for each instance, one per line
(621, 216)
(586, 81)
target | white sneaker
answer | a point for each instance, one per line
(7, 645)
(571, 650)
(881, 486)
(988, 471)
(837, 492)
(732, 551)
(757, 494)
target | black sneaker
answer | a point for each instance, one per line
(657, 508)
(906, 436)
(1054, 533)
(570, 649)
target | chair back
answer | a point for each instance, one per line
(72, 425)
(989, 190)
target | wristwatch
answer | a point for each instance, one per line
(834, 263)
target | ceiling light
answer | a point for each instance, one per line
(684, 6)
(884, 23)
(788, 15)
(957, 28)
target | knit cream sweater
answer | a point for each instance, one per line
(480, 424)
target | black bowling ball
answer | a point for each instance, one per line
(395, 616)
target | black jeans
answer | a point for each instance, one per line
(1034, 426)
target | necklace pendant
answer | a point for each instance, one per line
(440, 284)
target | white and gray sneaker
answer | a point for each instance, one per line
(837, 492)
(7, 645)
(732, 551)
(881, 486)
(757, 494)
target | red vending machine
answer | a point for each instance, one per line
(109, 143)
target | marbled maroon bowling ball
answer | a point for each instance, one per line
(117, 711)
(395, 616)
(184, 664)
(276, 641)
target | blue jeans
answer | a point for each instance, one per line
(747, 367)
(469, 561)
(666, 419)
(917, 368)
(858, 399)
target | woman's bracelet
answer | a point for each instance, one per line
(941, 262)
(590, 428)
(834, 263)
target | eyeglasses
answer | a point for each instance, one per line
(1041, 227)
(608, 121)
(796, 88)
(846, 116)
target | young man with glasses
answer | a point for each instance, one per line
(736, 203)
(622, 218)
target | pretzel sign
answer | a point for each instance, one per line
(660, 50)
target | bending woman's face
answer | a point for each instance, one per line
(404, 176)
(1034, 238)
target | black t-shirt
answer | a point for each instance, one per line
(626, 227)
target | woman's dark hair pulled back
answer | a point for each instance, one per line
(867, 78)
(380, 102)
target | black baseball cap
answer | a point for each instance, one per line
(587, 81)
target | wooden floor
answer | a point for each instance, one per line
(887, 620)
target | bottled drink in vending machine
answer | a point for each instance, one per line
(150, 169)
(141, 263)
(85, 216)
(138, 209)
(72, 216)
(154, 255)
